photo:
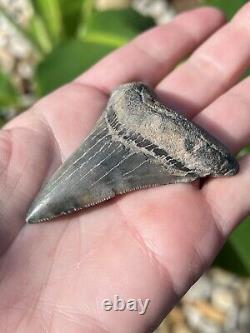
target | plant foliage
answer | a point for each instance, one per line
(229, 7)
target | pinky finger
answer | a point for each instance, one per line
(229, 198)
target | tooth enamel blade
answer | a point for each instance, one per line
(100, 169)
(137, 143)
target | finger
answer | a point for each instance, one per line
(213, 68)
(26, 155)
(228, 198)
(156, 52)
(228, 117)
(69, 113)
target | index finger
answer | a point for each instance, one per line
(152, 55)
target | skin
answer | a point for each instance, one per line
(148, 244)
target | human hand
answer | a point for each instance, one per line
(151, 243)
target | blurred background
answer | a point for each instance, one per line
(46, 43)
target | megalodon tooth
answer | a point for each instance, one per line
(138, 142)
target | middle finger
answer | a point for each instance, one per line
(228, 117)
(215, 67)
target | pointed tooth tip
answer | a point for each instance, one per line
(31, 218)
(37, 213)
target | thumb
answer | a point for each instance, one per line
(25, 158)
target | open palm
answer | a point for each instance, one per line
(151, 243)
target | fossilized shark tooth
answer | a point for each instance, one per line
(137, 143)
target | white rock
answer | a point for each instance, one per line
(166, 17)
(160, 10)
(244, 319)
(4, 38)
(222, 277)
(244, 294)
(6, 60)
(209, 327)
(201, 289)
(20, 10)
(232, 318)
(198, 322)
(19, 47)
(194, 317)
(25, 70)
(28, 100)
(180, 329)
(223, 298)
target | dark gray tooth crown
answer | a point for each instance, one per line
(137, 143)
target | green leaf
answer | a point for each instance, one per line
(235, 255)
(241, 244)
(9, 95)
(66, 62)
(50, 13)
(71, 12)
(244, 151)
(230, 7)
(88, 8)
(38, 32)
(247, 73)
(102, 32)
(114, 27)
